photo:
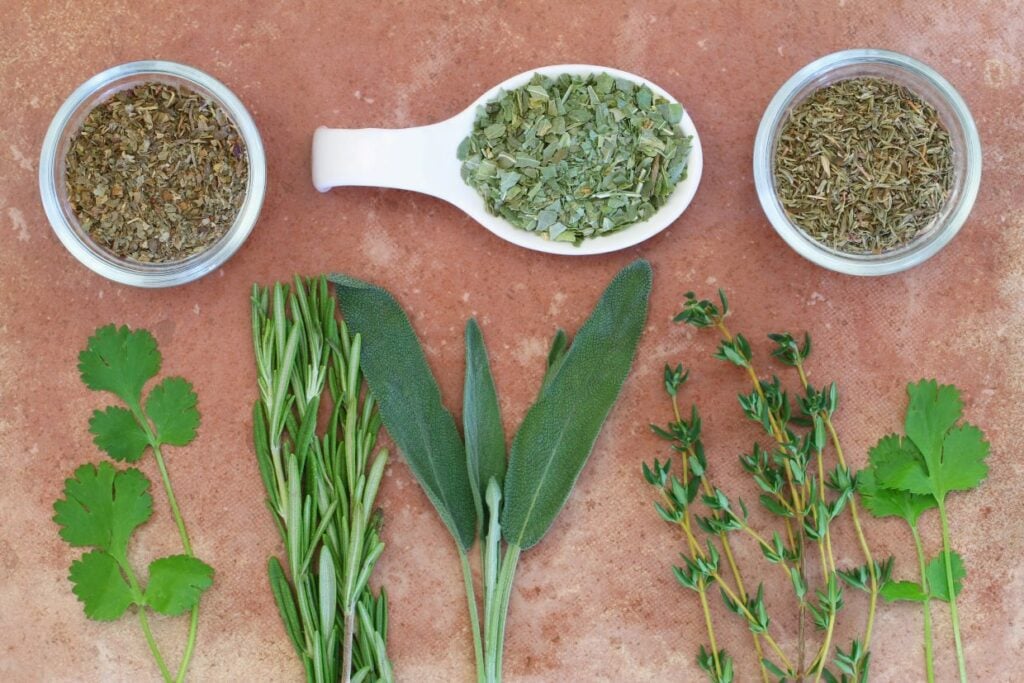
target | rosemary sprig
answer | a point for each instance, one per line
(794, 485)
(320, 488)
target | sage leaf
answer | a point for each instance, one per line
(481, 420)
(410, 401)
(559, 431)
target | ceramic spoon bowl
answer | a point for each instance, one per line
(423, 159)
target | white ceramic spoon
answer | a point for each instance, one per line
(423, 159)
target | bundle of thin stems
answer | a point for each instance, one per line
(315, 430)
(795, 487)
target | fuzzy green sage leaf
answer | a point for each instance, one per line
(410, 402)
(481, 419)
(559, 431)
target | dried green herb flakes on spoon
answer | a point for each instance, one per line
(575, 156)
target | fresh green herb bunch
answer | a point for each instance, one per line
(321, 483)
(574, 157)
(509, 505)
(912, 474)
(103, 506)
(794, 487)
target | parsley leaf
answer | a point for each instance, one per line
(935, 458)
(102, 506)
(100, 585)
(176, 583)
(903, 590)
(936, 573)
(889, 453)
(171, 406)
(116, 431)
(120, 361)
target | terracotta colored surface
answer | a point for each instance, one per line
(595, 601)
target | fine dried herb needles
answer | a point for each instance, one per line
(320, 487)
(863, 165)
(103, 506)
(794, 486)
(465, 477)
(912, 474)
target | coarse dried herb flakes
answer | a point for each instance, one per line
(157, 173)
(574, 157)
(863, 165)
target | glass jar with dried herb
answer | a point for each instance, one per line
(863, 165)
(157, 173)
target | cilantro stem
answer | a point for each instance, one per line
(953, 614)
(137, 596)
(929, 665)
(172, 501)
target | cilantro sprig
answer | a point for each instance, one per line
(912, 474)
(103, 506)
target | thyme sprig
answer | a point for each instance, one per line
(795, 485)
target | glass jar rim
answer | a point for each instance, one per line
(888, 262)
(126, 271)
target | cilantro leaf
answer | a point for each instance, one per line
(102, 506)
(903, 590)
(172, 408)
(116, 431)
(936, 457)
(100, 585)
(932, 412)
(120, 361)
(176, 583)
(887, 502)
(936, 573)
(963, 459)
(900, 466)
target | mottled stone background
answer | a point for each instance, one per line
(596, 600)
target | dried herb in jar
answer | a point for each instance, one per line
(863, 165)
(157, 173)
(574, 157)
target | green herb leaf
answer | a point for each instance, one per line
(102, 506)
(120, 361)
(172, 408)
(945, 458)
(410, 402)
(100, 585)
(481, 419)
(559, 431)
(116, 431)
(883, 502)
(907, 591)
(176, 583)
(936, 573)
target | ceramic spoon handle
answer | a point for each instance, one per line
(418, 159)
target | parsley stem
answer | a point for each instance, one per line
(137, 596)
(172, 501)
(953, 614)
(929, 665)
